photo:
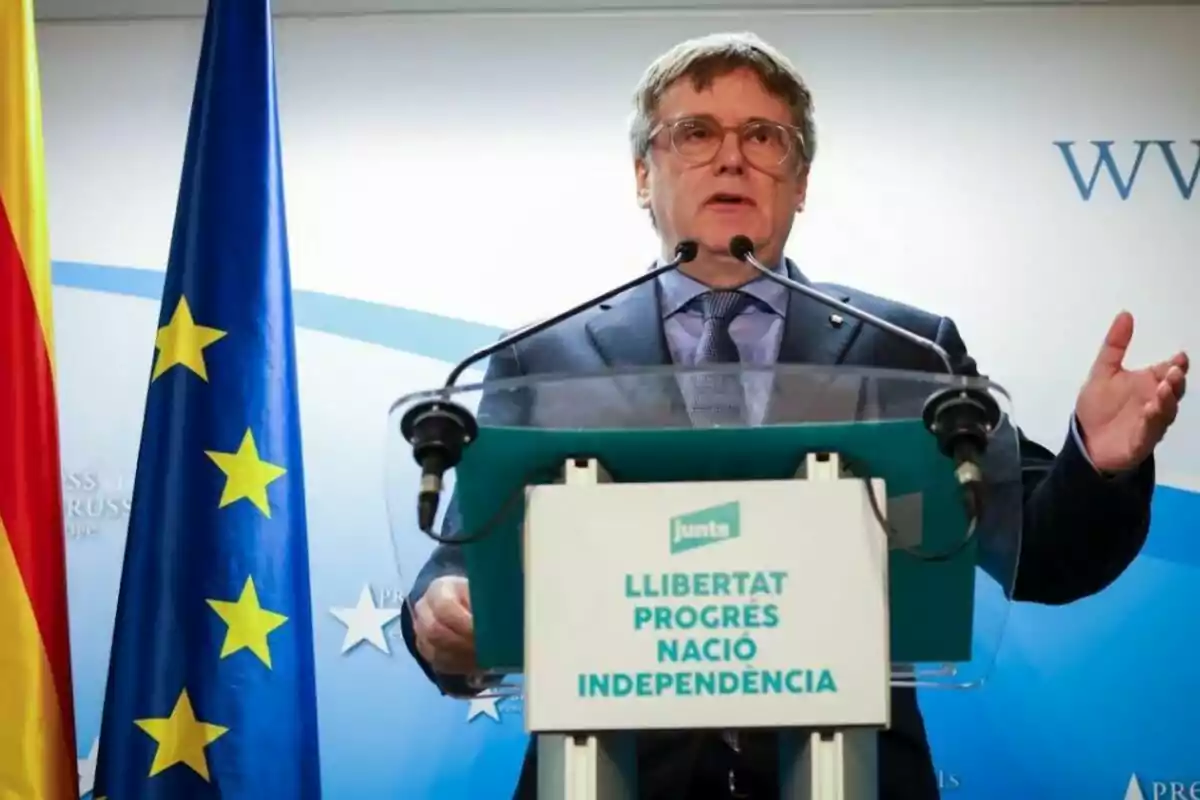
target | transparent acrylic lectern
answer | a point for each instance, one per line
(634, 565)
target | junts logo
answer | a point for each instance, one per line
(704, 527)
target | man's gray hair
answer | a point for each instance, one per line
(708, 57)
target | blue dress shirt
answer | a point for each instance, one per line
(757, 330)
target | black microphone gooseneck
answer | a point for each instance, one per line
(743, 249)
(440, 429)
(960, 418)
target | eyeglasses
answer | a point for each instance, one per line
(764, 143)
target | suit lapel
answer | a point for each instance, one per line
(628, 333)
(629, 330)
(814, 333)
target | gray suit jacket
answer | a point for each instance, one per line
(1081, 529)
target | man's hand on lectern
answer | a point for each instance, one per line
(444, 627)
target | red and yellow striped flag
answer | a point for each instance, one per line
(37, 727)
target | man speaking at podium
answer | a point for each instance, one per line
(723, 140)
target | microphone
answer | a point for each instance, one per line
(960, 418)
(440, 429)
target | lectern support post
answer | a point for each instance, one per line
(829, 765)
(586, 767)
(825, 764)
(832, 764)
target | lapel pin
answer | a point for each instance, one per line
(836, 320)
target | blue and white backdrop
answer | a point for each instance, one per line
(1029, 172)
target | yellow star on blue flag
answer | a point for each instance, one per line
(211, 689)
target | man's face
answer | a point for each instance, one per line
(731, 194)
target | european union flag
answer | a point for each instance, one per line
(211, 690)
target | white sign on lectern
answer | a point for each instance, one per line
(705, 605)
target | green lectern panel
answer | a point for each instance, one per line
(932, 601)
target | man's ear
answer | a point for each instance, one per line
(642, 176)
(801, 190)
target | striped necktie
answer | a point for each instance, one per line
(718, 398)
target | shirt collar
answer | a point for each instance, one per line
(678, 289)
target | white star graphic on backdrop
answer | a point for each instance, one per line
(484, 704)
(365, 622)
(87, 769)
